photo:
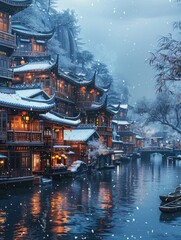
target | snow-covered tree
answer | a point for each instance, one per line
(96, 148)
(166, 109)
(84, 58)
(166, 61)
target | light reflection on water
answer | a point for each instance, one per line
(113, 204)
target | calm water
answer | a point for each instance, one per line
(122, 203)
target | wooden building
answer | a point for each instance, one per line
(7, 39)
(21, 138)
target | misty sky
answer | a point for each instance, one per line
(121, 33)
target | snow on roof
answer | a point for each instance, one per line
(139, 137)
(80, 135)
(17, 27)
(124, 106)
(28, 92)
(51, 117)
(116, 141)
(16, 101)
(36, 93)
(118, 151)
(34, 66)
(121, 122)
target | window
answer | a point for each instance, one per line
(4, 22)
(36, 164)
(4, 63)
(38, 47)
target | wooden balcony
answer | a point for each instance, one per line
(14, 173)
(7, 40)
(6, 73)
(49, 142)
(104, 131)
(24, 137)
(18, 53)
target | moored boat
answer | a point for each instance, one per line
(171, 196)
(78, 167)
(171, 207)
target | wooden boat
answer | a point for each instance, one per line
(171, 207)
(171, 196)
(78, 167)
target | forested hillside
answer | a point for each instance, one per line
(42, 17)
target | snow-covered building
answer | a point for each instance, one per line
(123, 136)
(46, 102)
(31, 62)
(78, 139)
(32, 65)
(22, 137)
(88, 100)
(7, 39)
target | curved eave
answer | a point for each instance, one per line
(47, 101)
(112, 109)
(59, 120)
(13, 7)
(113, 112)
(65, 117)
(24, 68)
(27, 107)
(77, 81)
(101, 89)
(36, 35)
(95, 107)
(98, 105)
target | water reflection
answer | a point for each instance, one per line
(107, 205)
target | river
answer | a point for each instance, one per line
(116, 204)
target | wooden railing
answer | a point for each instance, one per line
(103, 130)
(7, 39)
(6, 73)
(30, 53)
(16, 137)
(13, 173)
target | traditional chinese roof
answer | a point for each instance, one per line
(60, 120)
(79, 135)
(139, 137)
(15, 99)
(117, 141)
(36, 95)
(113, 108)
(97, 105)
(81, 79)
(119, 122)
(35, 66)
(14, 6)
(124, 106)
(77, 79)
(21, 30)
